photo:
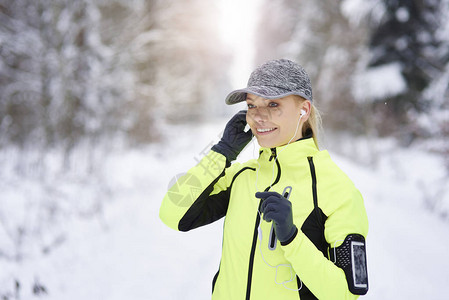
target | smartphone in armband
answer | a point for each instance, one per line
(351, 257)
(358, 262)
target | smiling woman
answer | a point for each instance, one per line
(293, 220)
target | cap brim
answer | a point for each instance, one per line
(264, 92)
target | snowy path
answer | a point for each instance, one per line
(127, 253)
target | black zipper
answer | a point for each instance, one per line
(253, 247)
(273, 154)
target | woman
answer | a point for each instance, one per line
(295, 224)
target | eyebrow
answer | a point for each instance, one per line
(251, 99)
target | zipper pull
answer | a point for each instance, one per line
(273, 154)
(287, 191)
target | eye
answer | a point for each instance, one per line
(273, 104)
(250, 106)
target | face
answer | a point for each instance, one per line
(275, 122)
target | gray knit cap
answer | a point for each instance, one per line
(273, 80)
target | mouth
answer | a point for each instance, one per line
(265, 131)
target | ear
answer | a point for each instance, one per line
(306, 106)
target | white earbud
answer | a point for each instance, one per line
(303, 112)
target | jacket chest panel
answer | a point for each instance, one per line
(243, 206)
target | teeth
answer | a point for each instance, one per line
(265, 130)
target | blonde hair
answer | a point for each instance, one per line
(313, 125)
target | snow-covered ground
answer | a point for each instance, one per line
(125, 252)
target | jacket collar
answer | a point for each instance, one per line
(289, 153)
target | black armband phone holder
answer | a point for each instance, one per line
(351, 257)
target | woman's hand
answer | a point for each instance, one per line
(234, 137)
(278, 209)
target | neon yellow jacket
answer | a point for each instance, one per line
(326, 208)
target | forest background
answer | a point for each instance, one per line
(83, 80)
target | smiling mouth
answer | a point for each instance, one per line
(265, 130)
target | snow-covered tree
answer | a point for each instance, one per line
(84, 74)
(72, 70)
(60, 79)
(406, 38)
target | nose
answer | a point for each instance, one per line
(259, 114)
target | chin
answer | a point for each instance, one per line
(266, 144)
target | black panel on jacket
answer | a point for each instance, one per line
(208, 209)
(313, 228)
(205, 210)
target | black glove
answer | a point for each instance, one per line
(279, 210)
(234, 137)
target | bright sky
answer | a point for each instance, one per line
(237, 26)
